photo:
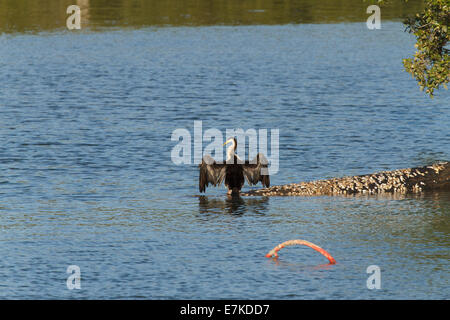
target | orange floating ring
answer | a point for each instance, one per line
(273, 252)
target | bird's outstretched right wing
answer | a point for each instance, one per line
(257, 171)
(210, 172)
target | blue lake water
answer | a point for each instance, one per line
(86, 176)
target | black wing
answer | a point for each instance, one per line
(210, 172)
(257, 170)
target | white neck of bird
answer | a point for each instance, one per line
(230, 152)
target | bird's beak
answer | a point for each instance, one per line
(226, 142)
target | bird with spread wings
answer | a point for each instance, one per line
(234, 171)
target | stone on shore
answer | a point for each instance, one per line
(412, 180)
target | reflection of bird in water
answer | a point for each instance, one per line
(233, 205)
(233, 170)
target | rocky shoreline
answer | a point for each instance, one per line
(412, 180)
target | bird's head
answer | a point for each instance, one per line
(233, 142)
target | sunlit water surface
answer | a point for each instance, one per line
(87, 179)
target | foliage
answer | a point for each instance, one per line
(431, 62)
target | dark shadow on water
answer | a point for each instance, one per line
(437, 195)
(298, 266)
(235, 205)
(31, 15)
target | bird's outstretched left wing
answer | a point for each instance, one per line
(210, 172)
